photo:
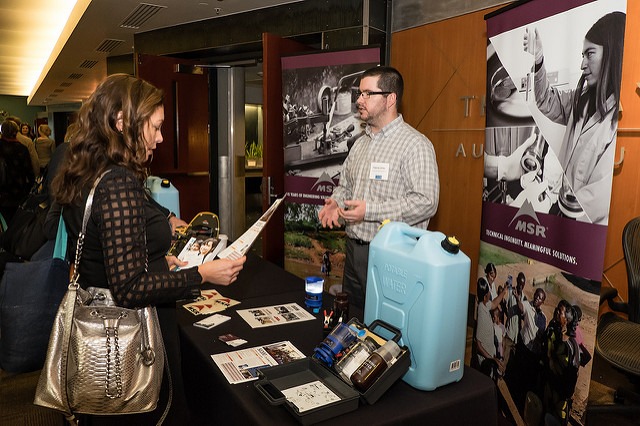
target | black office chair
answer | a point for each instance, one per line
(617, 338)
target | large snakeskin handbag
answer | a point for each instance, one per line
(102, 359)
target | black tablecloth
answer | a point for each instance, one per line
(216, 402)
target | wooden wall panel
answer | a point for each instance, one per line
(440, 63)
(445, 60)
(625, 197)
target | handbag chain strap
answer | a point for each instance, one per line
(113, 325)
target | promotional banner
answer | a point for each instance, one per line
(553, 85)
(321, 123)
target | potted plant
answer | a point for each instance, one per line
(253, 154)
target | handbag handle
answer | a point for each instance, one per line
(81, 235)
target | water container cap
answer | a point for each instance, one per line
(451, 245)
(384, 222)
(165, 183)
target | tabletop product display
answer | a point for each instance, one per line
(213, 400)
(300, 382)
(418, 281)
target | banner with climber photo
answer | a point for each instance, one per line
(553, 85)
(320, 124)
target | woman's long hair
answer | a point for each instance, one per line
(97, 143)
(607, 32)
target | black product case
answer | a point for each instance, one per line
(277, 378)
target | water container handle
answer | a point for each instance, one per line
(413, 232)
(151, 181)
(397, 334)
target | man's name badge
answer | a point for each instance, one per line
(379, 171)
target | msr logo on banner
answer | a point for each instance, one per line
(528, 226)
(324, 184)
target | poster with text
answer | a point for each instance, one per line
(553, 85)
(320, 124)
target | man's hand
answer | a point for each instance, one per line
(328, 214)
(354, 211)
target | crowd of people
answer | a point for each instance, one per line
(24, 161)
(538, 359)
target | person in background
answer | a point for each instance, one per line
(500, 333)
(564, 359)
(512, 314)
(44, 146)
(127, 236)
(16, 175)
(71, 130)
(389, 173)
(31, 147)
(490, 274)
(58, 153)
(528, 357)
(25, 129)
(486, 351)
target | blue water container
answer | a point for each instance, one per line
(163, 191)
(418, 281)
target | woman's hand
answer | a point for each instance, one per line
(221, 271)
(174, 262)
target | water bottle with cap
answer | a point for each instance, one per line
(313, 287)
(375, 365)
(340, 339)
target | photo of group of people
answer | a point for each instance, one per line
(534, 332)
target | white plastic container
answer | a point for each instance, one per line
(163, 191)
(418, 281)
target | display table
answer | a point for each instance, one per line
(214, 401)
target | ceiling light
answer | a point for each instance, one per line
(61, 17)
(34, 42)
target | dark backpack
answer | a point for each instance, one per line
(25, 234)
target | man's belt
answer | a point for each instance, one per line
(359, 242)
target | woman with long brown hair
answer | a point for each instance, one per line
(127, 235)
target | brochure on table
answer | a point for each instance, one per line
(268, 316)
(243, 365)
(209, 302)
(310, 395)
(241, 246)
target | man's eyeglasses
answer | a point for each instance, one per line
(367, 94)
